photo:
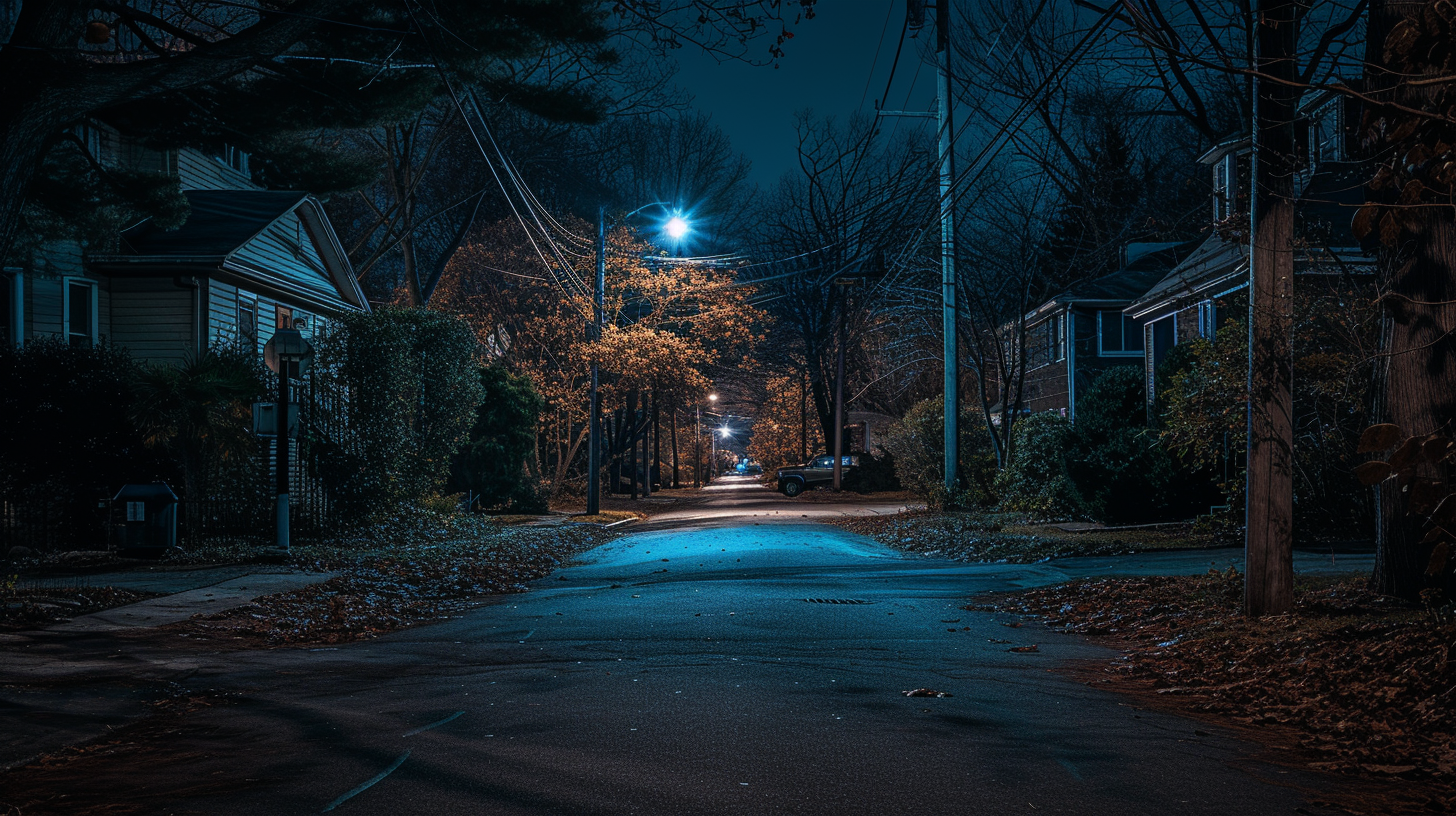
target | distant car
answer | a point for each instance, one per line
(753, 469)
(818, 472)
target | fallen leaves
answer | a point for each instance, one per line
(925, 692)
(30, 606)
(397, 586)
(1366, 684)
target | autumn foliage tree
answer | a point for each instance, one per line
(782, 432)
(668, 325)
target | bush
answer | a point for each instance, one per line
(1121, 467)
(411, 384)
(200, 414)
(916, 445)
(495, 463)
(1036, 480)
(66, 435)
(874, 474)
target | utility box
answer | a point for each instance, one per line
(144, 519)
(265, 419)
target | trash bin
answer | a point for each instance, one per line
(144, 520)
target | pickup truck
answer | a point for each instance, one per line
(819, 472)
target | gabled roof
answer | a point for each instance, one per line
(278, 241)
(221, 221)
(1324, 211)
(1215, 263)
(1117, 288)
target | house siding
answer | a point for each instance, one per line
(198, 171)
(153, 317)
(1046, 387)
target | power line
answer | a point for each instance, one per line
(876, 61)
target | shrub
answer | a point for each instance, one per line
(66, 435)
(1036, 480)
(916, 445)
(1121, 467)
(495, 464)
(411, 384)
(875, 473)
(200, 414)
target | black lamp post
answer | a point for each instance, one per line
(288, 354)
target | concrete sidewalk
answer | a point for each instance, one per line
(186, 591)
(181, 605)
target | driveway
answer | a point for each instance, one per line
(738, 664)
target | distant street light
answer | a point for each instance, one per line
(676, 227)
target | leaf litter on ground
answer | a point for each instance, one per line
(410, 570)
(1357, 683)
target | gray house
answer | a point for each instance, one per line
(247, 260)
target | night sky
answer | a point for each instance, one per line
(826, 68)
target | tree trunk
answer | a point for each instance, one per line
(1416, 381)
(674, 448)
(1269, 531)
(656, 468)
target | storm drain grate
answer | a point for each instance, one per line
(837, 601)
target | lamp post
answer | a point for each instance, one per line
(676, 227)
(698, 479)
(289, 354)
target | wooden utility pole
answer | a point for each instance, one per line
(1269, 528)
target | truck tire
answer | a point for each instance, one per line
(793, 487)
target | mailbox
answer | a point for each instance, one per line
(144, 519)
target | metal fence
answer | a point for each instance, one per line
(50, 525)
(242, 512)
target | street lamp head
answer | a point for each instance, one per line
(724, 432)
(676, 227)
(712, 398)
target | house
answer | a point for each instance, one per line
(1075, 336)
(1192, 300)
(246, 261)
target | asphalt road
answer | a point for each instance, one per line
(738, 665)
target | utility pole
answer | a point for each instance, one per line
(594, 448)
(804, 415)
(839, 395)
(1269, 520)
(947, 242)
(915, 18)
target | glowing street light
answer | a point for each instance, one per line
(676, 227)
